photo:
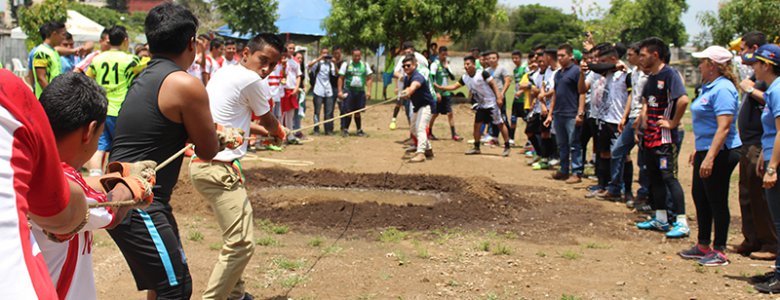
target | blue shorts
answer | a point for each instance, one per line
(355, 100)
(106, 139)
(387, 78)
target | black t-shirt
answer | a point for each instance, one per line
(749, 118)
(661, 93)
(422, 95)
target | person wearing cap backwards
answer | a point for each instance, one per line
(717, 154)
(766, 64)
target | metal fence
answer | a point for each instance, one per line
(12, 48)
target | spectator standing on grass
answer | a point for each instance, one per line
(354, 87)
(717, 154)
(766, 65)
(566, 115)
(387, 73)
(538, 115)
(664, 101)
(760, 238)
(321, 69)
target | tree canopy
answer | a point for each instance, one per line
(366, 23)
(31, 18)
(249, 16)
(630, 21)
(737, 17)
(536, 24)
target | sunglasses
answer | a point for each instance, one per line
(406, 66)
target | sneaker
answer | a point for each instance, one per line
(315, 133)
(473, 151)
(470, 142)
(491, 142)
(610, 196)
(410, 149)
(344, 133)
(419, 157)
(696, 252)
(393, 124)
(429, 153)
(540, 165)
(506, 152)
(273, 148)
(714, 258)
(432, 137)
(555, 162)
(762, 278)
(485, 139)
(532, 160)
(457, 138)
(678, 231)
(560, 176)
(771, 286)
(574, 179)
(511, 143)
(530, 154)
(593, 193)
(653, 224)
(360, 133)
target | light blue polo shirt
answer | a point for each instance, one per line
(771, 111)
(717, 98)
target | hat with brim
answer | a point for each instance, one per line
(716, 54)
(769, 53)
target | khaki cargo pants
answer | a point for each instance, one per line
(222, 186)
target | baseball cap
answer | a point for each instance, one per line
(717, 54)
(768, 53)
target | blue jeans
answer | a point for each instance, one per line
(620, 150)
(773, 199)
(568, 137)
(329, 103)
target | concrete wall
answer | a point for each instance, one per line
(11, 48)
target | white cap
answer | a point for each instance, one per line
(717, 54)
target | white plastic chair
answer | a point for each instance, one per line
(19, 68)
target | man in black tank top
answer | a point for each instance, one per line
(164, 108)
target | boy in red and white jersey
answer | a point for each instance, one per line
(76, 107)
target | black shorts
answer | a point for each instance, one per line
(355, 100)
(489, 116)
(445, 106)
(607, 136)
(518, 112)
(534, 124)
(149, 240)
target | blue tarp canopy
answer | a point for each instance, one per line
(300, 18)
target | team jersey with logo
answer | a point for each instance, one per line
(661, 94)
(355, 75)
(441, 76)
(31, 181)
(70, 262)
(197, 71)
(45, 57)
(115, 70)
(479, 85)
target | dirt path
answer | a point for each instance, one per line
(497, 230)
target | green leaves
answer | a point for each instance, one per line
(737, 17)
(630, 21)
(31, 18)
(249, 16)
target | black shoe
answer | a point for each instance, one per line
(315, 133)
(344, 133)
(433, 137)
(762, 278)
(360, 133)
(429, 153)
(772, 286)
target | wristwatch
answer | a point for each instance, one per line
(750, 90)
(770, 171)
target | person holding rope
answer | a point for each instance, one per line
(234, 95)
(164, 108)
(418, 92)
(76, 107)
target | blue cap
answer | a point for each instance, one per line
(768, 53)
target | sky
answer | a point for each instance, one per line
(689, 18)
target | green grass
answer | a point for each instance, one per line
(597, 246)
(268, 226)
(570, 255)
(292, 280)
(316, 242)
(502, 249)
(195, 236)
(215, 246)
(445, 234)
(332, 250)
(541, 254)
(422, 252)
(483, 246)
(392, 235)
(400, 256)
(280, 229)
(287, 264)
(267, 241)
(570, 297)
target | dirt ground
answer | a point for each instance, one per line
(496, 230)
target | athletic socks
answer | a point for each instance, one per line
(95, 172)
(506, 145)
(358, 123)
(476, 144)
(682, 220)
(512, 133)
(452, 130)
(395, 112)
(660, 216)
(602, 172)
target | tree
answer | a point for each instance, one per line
(249, 16)
(366, 24)
(536, 24)
(737, 17)
(31, 18)
(207, 16)
(630, 21)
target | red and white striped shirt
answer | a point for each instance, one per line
(70, 262)
(31, 181)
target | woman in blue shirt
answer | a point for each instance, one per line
(766, 64)
(716, 156)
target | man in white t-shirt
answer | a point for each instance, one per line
(234, 95)
(201, 67)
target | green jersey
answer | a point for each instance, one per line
(355, 75)
(114, 70)
(440, 76)
(389, 64)
(45, 57)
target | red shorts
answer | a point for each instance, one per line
(289, 101)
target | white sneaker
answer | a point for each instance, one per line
(555, 162)
(511, 143)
